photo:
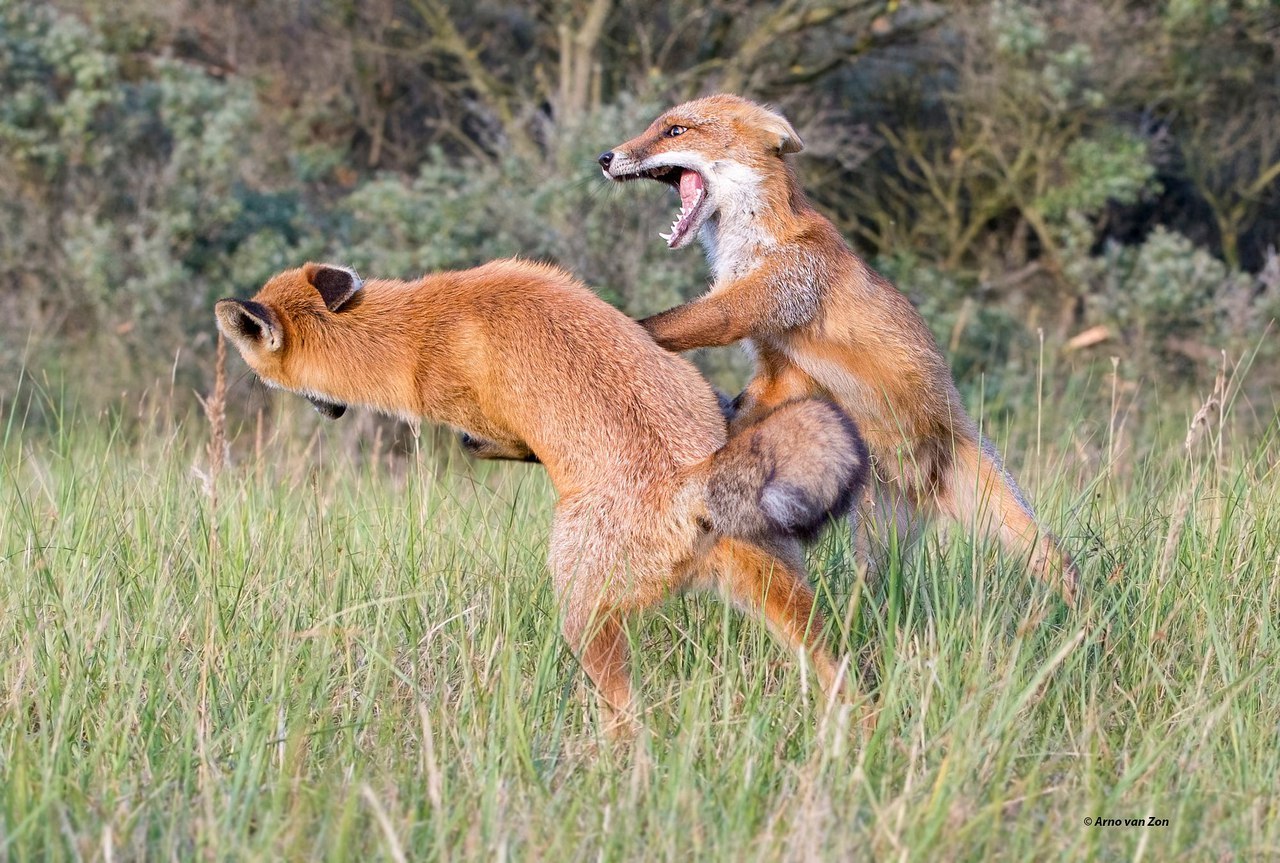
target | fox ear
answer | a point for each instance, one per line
(249, 325)
(336, 285)
(786, 139)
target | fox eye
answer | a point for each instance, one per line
(676, 131)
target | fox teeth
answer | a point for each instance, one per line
(666, 237)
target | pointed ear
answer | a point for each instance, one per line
(336, 285)
(249, 325)
(785, 138)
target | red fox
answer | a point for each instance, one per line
(528, 362)
(820, 321)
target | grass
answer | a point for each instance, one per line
(344, 655)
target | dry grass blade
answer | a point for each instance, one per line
(388, 831)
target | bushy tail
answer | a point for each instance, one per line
(789, 473)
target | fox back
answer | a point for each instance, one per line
(524, 355)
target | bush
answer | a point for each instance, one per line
(1006, 162)
(1176, 306)
(133, 199)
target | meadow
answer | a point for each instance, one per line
(331, 650)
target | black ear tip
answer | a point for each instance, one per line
(336, 285)
(327, 276)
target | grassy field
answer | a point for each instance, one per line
(329, 652)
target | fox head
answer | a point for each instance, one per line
(270, 329)
(721, 153)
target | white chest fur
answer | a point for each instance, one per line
(734, 239)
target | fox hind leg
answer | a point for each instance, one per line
(885, 526)
(978, 492)
(598, 638)
(591, 587)
(775, 589)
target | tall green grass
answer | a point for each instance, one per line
(345, 655)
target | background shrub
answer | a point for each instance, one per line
(1018, 168)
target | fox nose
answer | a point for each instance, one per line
(604, 159)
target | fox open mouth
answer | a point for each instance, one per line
(693, 198)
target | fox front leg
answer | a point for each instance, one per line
(762, 303)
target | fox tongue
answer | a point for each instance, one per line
(690, 186)
(691, 192)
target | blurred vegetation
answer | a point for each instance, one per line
(1016, 167)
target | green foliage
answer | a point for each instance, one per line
(462, 213)
(133, 193)
(57, 81)
(1026, 138)
(434, 222)
(1174, 303)
(996, 155)
(1111, 168)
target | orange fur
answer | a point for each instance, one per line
(528, 362)
(820, 321)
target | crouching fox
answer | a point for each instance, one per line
(528, 363)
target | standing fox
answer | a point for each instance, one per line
(528, 362)
(819, 320)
